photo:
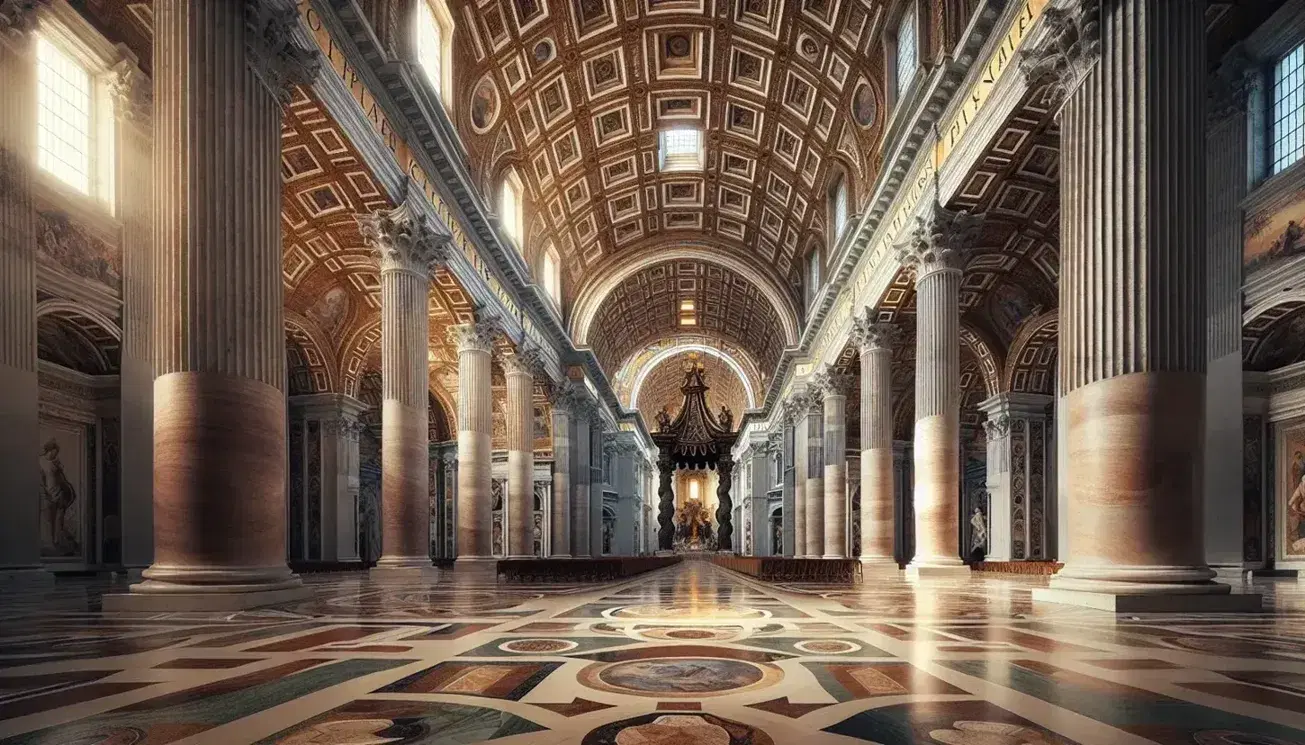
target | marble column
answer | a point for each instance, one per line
(20, 534)
(222, 72)
(580, 495)
(560, 511)
(814, 518)
(475, 343)
(324, 468)
(799, 403)
(875, 341)
(133, 106)
(665, 503)
(519, 371)
(835, 388)
(787, 473)
(1133, 318)
(1019, 442)
(407, 246)
(936, 249)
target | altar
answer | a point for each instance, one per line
(695, 465)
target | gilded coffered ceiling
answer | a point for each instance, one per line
(574, 93)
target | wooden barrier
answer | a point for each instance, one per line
(785, 569)
(606, 569)
(1042, 568)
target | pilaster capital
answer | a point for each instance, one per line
(404, 239)
(11, 173)
(273, 56)
(870, 335)
(797, 406)
(132, 93)
(830, 383)
(996, 427)
(1230, 85)
(940, 241)
(474, 337)
(525, 361)
(17, 17)
(1068, 49)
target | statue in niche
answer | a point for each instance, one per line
(978, 535)
(57, 498)
(726, 418)
(663, 420)
(1296, 505)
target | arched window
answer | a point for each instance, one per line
(908, 57)
(433, 39)
(813, 275)
(509, 208)
(838, 207)
(550, 272)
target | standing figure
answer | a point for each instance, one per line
(57, 497)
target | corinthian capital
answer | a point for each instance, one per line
(940, 240)
(17, 17)
(524, 362)
(273, 56)
(1229, 85)
(1068, 50)
(474, 337)
(404, 239)
(831, 383)
(133, 98)
(871, 335)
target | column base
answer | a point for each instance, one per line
(476, 567)
(833, 556)
(937, 567)
(170, 588)
(1224, 602)
(879, 564)
(26, 577)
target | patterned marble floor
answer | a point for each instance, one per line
(687, 655)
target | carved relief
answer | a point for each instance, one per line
(63, 244)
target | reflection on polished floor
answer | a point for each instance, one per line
(689, 654)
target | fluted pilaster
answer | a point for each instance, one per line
(875, 341)
(580, 494)
(219, 338)
(814, 521)
(1133, 313)
(563, 443)
(796, 410)
(519, 369)
(406, 246)
(20, 535)
(937, 249)
(475, 344)
(133, 108)
(835, 387)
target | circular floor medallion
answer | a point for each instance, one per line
(707, 612)
(694, 634)
(826, 646)
(691, 677)
(538, 646)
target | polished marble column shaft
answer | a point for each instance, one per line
(836, 387)
(519, 369)
(407, 246)
(877, 482)
(475, 520)
(796, 411)
(20, 532)
(936, 249)
(1133, 311)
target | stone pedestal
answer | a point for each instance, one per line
(519, 369)
(20, 533)
(1133, 330)
(936, 249)
(475, 516)
(324, 477)
(219, 407)
(877, 473)
(1018, 439)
